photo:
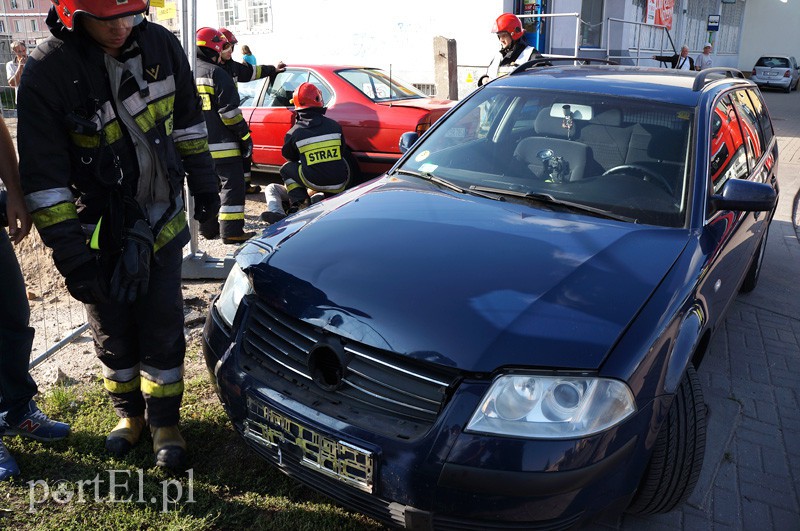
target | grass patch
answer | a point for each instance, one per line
(74, 484)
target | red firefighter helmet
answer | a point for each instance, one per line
(510, 23)
(307, 95)
(210, 38)
(68, 10)
(229, 35)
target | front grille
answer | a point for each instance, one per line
(378, 387)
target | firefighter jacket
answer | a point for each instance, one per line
(220, 101)
(317, 143)
(74, 145)
(506, 60)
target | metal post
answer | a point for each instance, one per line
(197, 264)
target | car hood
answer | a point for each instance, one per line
(460, 280)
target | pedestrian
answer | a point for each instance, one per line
(244, 72)
(248, 56)
(514, 49)
(680, 61)
(15, 66)
(703, 60)
(19, 414)
(110, 127)
(314, 148)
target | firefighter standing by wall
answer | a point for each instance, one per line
(514, 49)
(109, 127)
(245, 72)
(228, 137)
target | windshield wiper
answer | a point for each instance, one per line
(428, 176)
(549, 199)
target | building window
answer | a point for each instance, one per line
(18, 26)
(257, 12)
(2, 26)
(591, 23)
(31, 4)
(226, 13)
(34, 25)
(13, 4)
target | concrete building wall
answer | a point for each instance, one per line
(771, 26)
(379, 34)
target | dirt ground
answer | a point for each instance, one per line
(54, 314)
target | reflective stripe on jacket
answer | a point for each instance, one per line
(220, 103)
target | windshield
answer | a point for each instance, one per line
(624, 156)
(377, 86)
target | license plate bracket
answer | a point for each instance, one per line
(344, 461)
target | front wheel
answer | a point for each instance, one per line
(677, 458)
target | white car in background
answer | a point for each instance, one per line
(779, 71)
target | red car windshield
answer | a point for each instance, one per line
(378, 86)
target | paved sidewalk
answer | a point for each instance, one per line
(751, 382)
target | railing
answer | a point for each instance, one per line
(656, 31)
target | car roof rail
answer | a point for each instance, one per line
(548, 61)
(702, 77)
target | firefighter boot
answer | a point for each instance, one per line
(169, 447)
(124, 436)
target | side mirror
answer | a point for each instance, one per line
(483, 80)
(407, 140)
(747, 196)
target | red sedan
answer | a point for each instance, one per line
(373, 108)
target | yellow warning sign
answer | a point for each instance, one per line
(167, 12)
(156, 3)
(470, 79)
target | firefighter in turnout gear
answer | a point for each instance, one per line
(314, 147)
(228, 137)
(514, 49)
(109, 128)
(244, 72)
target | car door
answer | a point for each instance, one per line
(729, 236)
(273, 115)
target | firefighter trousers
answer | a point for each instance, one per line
(141, 346)
(232, 195)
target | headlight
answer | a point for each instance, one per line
(237, 285)
(552, 407)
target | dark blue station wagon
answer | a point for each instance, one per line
(504, 329)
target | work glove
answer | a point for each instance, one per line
(86, 285)
(206, 206)
(131, 277)
(246, 146)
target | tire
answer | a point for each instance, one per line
(355, 172)
(677, 458)
(751, 278)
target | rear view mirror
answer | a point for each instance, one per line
(747, 196)
(407, 140)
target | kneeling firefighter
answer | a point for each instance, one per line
(109, 127)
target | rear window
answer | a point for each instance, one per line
(773, 62)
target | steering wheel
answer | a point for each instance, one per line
(641, 171)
